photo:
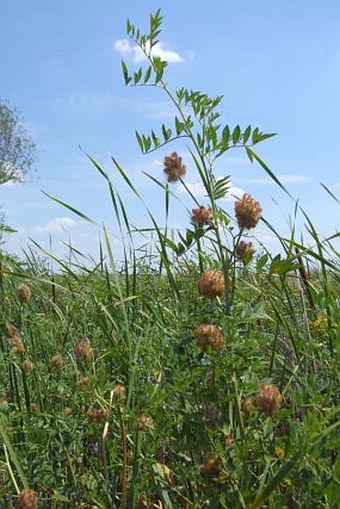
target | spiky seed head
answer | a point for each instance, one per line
(27, 366)
(144, 422)
(24, 293)
(28, 499)
(268, 398)
(118, 394)
(17, 345)
(248, 212)
(211, 284)
(209, 335)
(83, 350)
(57, 361)
(202, 215)
(173, 167)
(11, 329)
(245, 250)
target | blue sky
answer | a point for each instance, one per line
(276, 62)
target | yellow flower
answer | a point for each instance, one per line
(279, 452)
(320, 323)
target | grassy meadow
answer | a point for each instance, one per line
(200, 374)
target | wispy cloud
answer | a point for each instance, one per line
(59, 224)
(125, 48)
(285, 178)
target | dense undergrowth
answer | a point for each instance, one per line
(205, 377)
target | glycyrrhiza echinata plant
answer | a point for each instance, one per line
(197, 120)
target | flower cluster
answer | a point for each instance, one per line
(211, 284)
(268, 398)
(248, 212)
(202, 215)
(245, 250)
(209, 336)
(173, 167)
(83, 350)
(28, 499)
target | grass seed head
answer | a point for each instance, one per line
(211, 284)
(28, 499)
(248, 212)
(24, 293)
(268, 398)
(173, 167)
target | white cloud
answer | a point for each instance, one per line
(124, 47)
(59, 224)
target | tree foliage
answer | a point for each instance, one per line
(17, 149)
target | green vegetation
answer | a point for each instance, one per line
(200, 376)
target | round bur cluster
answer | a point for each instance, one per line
(57, 361)
(248, 212)
(245, 250)
(202, 215)
(173, 167)
(83, 350)
(24, 293)
(268, 398)
(211, 284)
(28, 499)
(209, 336)
(27, 366)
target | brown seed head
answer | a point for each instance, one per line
(143, 422)
(118, 394)
(35, 407)
(24, 293)
(27, 366)
(28, 499)
(248, 405)
(268, 398)
(245, 250)
(97, 414)
(212, 465)
(83, 350)
(11, 329)
(211, 284)
(57, 361)
(173, 167)
(248, 212)
(209, 335)
(17, 345)
(202, 215)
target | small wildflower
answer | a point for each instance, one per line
(245, 250)
(11, 329)
(57, 361)
(248, 212)
(83, 350)
(320, 324)
(118, 394)
(209, 335)
(248, 406)
(212, 465)
(27, 366)
(67, 411)
(24, 293)
(211, 284)
(28, 499)
(202, 215)
(17, 345)
(173, 167)
(268, 398)
(279, 452)
(144, 422)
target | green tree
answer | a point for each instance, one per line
(17, 149)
